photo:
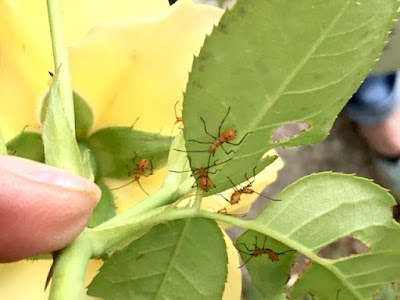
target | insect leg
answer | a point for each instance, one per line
(246, 249)
(233, 185)
(205, 128)
(189, 151)
(222, 122)
(237, 144)
(224, 198)
(142, 188)
(227, 152)
(208, 143)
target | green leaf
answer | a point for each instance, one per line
(27, 144)
(118, 149)
(83, 115)
(276, 62)
(3, 148)
(60, 146)
(105, 209)
(316, 211)
(184, 259)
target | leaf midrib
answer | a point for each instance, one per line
(172, 260)
(271, 101)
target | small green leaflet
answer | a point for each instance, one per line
(118, 149)
(27, 144)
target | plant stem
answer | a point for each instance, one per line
(60, 55)
(199, 197)
(70, 269)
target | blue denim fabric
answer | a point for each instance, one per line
(376, 99)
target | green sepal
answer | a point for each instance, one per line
(27, 144)
(117, 150)
(60, 146)
(88, 161)
(105, 209)
(83, 115)
(3, 148)
(183, 259)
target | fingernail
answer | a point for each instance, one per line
(48, 175)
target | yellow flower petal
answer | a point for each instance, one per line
(26, 54)
(25, 279)
(143, 68)
(80, 16)
(233, 285)
(23, 74)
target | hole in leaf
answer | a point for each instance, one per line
(396, 213)
(389, 291)
(343, 247)
(289, 130)
(298, 268)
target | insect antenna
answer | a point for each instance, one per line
(134, 123)
(224, 197)
(122, 186)
(177, 119)
(251, 182)
(291, 250)
(266, 196)
(247, 260)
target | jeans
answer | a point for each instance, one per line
(376, 99)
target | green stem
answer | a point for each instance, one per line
(141, 216)
(70, 269)
(60, 55)
(199, 197)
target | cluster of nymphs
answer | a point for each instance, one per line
(202, 174)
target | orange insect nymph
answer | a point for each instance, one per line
(203, 180)
(235, 197)
(143, 164)
(272, 255)
(225, 137)
(141, 167)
